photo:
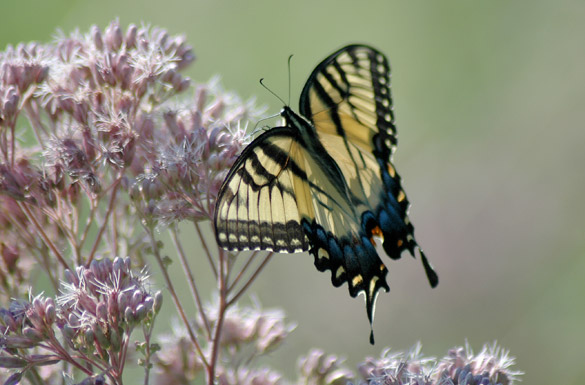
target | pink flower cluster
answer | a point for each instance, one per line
(95, 314)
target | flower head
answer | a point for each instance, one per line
(177, 362)
(246, 376)
(195, 151)
(492, 366)
(493, 363)
(317, 368)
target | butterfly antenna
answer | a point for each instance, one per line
(289, 76)
(263, 119)
(269, 90)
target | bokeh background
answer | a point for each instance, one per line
(489, 99)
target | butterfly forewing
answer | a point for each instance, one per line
(263, 197)
(348, 94)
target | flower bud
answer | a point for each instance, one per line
(141, 312)
(100, 336)
(115, 339)
(96, 35)
(32, 334)
(50, 314)
(148, 303)
(136, 298)
(89, 336)
(130, 38)
(10, 106)
(14, 378)
(183, 85)
(68, 332)
(118, 265)
(10, 255)
(129, 316)
(162, 39)
(10, 362)
(102, 311)
(9, 320)
(114, 36)
(113, 308)
(158, 300)
(19, 342)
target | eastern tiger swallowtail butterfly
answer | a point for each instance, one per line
(324, 182)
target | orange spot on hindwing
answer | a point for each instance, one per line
(376, 232)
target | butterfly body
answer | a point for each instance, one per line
(324, 182)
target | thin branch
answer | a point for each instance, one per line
(98, 238)
(90, 219)
(252, 278)
(26, 235)
(3, 148)
(35, 122)
(12, 141)
(209, 257)
(123, 353)
(220, 317)
(147, 332)
(173, 293)
(30, 216)
(65, 226)
(115, 234)
(243, 270)
(190, 277)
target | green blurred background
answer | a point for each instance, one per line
(489, 99)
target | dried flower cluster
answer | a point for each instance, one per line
(492, 366)
(88, 324)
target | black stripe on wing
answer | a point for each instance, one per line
(256, 207)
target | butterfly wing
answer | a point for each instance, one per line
(275, 189)
(347, 98)
(263, 197)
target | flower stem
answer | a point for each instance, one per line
(98, 238)
(30, 216)
(243, 270)
(207, 253)
(220, 317)
(252, 278)
(190, 278)
(173, 293)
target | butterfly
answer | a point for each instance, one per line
(324, 182)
